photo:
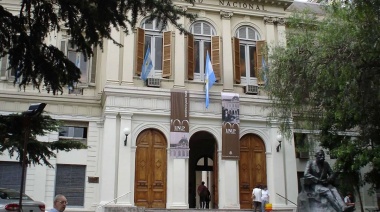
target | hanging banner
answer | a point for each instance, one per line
(179, 124)
(230, 126)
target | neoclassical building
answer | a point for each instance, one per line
(141, 169)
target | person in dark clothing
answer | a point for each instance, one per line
(202, 192)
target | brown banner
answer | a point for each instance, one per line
(230, 126)
(179, 124)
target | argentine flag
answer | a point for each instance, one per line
(147, 65)
(209, 78)
(264, 69)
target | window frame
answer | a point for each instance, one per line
(248, 42)
(75, 125)
(65, 47)
(202, 38)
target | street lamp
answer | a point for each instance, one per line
(126, 133)
(33, 111)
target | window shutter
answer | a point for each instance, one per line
(190, 56)
(3, 67)
(93, 65)
(63, 47)
(70, 181)
(140, 50)
(215, 55)
(166, 59)
(10, 175)
(260, 45)
(236, 47)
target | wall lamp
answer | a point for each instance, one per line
(126, 131)
(279, 139)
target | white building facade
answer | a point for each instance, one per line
(138, 170)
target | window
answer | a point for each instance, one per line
(86, 66)
(74, 131)
(201, 41)
(302, 146)
(150, 35)
(10, 175)
(4, 73)
(248, 55)
(70, 181)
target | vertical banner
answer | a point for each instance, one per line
(179, 124)
(230, 128)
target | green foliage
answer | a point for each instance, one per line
(89, 22)
(327, 78)
(14, 130)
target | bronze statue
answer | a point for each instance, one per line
(318, 193)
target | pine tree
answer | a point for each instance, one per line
(88, 22)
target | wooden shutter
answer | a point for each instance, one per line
(236, 49)
(93, 65)
(167, 54)
(215, 55)
(190, 56)
(140, 50)
(72, 184)
(260, 45)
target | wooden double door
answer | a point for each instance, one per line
(150, 174)
(252, 167)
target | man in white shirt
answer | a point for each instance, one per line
(264, 198)
(256, 192)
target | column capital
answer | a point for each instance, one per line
(183, 8)
(269, 20)
(226, 14)
(281, 21)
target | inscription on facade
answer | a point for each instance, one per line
(243, 5)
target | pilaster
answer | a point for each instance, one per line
(281, 31)
(125, 182)
(113, 60)
(179, 55)
(227, 65)
(269, 27)
(109, 159)
(129, 57)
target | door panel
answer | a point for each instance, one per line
(252, 167)
(150, 175)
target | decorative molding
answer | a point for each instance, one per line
(281, 21)
(269, 20)
(226, 14)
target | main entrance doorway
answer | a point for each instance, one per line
(252, 167)
(150, 174)
(203, 166)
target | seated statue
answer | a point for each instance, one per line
(318, 193)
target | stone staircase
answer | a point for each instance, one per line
(138, 209)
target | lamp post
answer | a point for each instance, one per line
(33, 111)
(126, 133)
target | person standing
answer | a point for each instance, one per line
(348, 199)
(60, 203)
(202, 192)
(256, 198)
(264, 198)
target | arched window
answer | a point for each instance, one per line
(159, 42)
(203, 36)
(153, 39)
(248, 54)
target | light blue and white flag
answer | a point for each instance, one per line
(147, 65)
(264, 69)
(210, 78)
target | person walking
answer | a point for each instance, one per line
(202, 192)
(60, 203)
(264, 198)
(256, 198)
